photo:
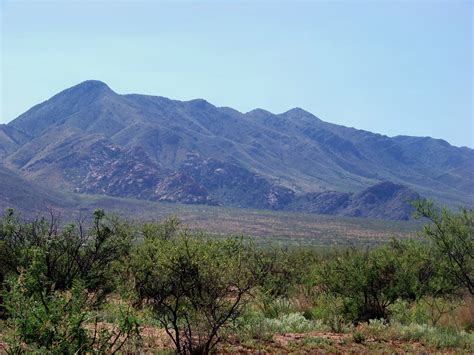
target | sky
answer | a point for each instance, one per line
(391, 67)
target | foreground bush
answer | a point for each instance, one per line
(60, 322)
(369, 282)
(196, 287)
(451, 236)
(65, 253)
(57, 280)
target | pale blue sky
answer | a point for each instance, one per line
(392, 67)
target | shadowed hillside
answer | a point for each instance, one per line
(28, 197)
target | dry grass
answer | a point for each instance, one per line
(460, 318)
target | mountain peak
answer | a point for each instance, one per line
(90, 85)
(87, 91)
(259, 112)
(199, 103)
(61, 107)
(297, 110)
(298, 113)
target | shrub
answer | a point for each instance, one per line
(375, 329)
(292, 323)
(329, 309)
(160, 230)
(67, 253)
(58, 279)
(405, 312)
(438, 337)
(452, 238)
(369, 282)
(273, 307)
(285, 270)
(256, 326)
(358, 337)
(46, 322)
(195, 286)
(54, 321)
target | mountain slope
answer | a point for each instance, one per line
(219, 155)
(28, 197)
(385, 200)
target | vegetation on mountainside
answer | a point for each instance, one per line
(113, 285)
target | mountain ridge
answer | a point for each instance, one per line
(294, 150)
(98, 84)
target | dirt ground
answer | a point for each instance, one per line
(292, 343)
(321, 343)
(156, 341)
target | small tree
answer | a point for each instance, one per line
(59, 322)
(56, 281)
(164, 230)
(452, 236)
(285, 270)
(69, 252)
(195, 286)
(369, 282)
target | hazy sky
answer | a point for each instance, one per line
(393, 67)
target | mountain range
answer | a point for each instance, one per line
(89, 139)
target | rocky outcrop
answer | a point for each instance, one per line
(180, 187)
(235, 186)
(115, 171)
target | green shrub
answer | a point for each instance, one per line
(405, 312)
(68, 253)
(358, 337)
(253, 325)
(329, 310)
(160, 230)
(451, 236)
(46, 322)
(56, 321)
(293, 323)
(273, 307)
(196, 287)
(285, 270)
(438, 337)
(57, 279)
(442, 338)
(375, 329)
(427, 310)
(370, 282)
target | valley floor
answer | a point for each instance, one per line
(275, 227)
